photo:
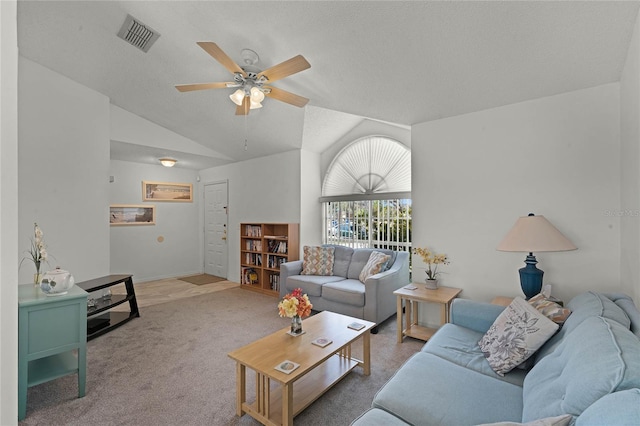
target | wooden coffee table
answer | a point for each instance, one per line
(320, 367)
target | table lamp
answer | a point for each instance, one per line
(533, 234)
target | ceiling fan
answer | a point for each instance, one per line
(250, 81)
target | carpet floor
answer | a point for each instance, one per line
(170, 367)
(202, 279)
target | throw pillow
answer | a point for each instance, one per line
(317, 260)
(374, 265)
(515, 335)
(550, 309)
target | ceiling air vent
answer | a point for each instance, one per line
(137, 34)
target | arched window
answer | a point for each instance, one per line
(366, 195)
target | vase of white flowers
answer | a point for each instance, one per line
(37, 253)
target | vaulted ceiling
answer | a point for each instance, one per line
(403, 62)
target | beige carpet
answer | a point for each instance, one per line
(202, 279)
(170, 367)
(167, 290)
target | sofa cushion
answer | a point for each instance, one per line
(377, 417)
(550, 309)
(429, 390)
(597, 357)
(349, 292)
(515, 335)
(618, 408)
(583, 306)
(310, 284)
(341, 260)
(629, 308)
(547, 421)
(317, 261)
(460, 346)
(376, 263)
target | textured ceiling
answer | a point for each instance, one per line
(400, 62)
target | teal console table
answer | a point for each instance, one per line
(50, 330)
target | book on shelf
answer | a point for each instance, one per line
(280, 237)
(274, 281)
(253, 245)
(277, 246)
(274, 262)
(249, 276)
(253, 259)
(253, 230)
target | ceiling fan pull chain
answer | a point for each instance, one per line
(245, 132)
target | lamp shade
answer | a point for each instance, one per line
(535, 234)
(237, 97)
(256, 95)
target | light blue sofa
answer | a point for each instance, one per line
(343, 292)
(589, 369)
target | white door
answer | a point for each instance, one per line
(215, 229)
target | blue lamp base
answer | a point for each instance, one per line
(531, 277)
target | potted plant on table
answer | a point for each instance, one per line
(432, 260)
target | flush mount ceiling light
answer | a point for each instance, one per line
(249, 81)
(168, 162)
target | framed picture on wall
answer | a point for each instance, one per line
(132, 214)
(167, 191)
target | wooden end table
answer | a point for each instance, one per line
(442, 295)
(502, 300)
(320, 367)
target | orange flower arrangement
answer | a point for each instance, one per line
(295, 303)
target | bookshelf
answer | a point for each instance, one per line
(263, 248)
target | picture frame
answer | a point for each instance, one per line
(132, 214)
(167, 191)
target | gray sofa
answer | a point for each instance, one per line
(343, 292)
(590, 370)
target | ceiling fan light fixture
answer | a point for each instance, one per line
(168, 162)
(249, 79)
(237, 97)
(256, 95)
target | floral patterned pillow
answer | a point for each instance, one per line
(317, 260)
(515, 335)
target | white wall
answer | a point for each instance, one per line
(310, 206)
(630, 169)
(136, 249)
(63, 171)
(130, 128)
(8, 213)
(474, 175)
(261, 190)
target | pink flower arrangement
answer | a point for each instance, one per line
(295, 303)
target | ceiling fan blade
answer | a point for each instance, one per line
(285, 69)
(218, 54)
(244, 108)
(203, 86)
(288, 97)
